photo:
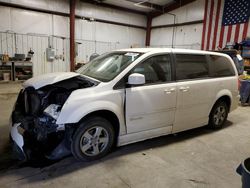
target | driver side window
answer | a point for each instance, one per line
(156, 69)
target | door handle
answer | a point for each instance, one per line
(168, 91)
(184, 89)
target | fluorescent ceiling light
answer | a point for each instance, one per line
(140, 4)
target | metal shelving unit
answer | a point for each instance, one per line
(19, 70)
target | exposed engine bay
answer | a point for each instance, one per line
(37, 111)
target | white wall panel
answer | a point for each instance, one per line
(185, 37)
(84, 30)
(190, 12)
(89, 10)
(58, 5)
(162, 36)
(137, 37)
(120, 34)
(12, 43)
(61, 26)
(7, 43)
(86, 48)
(108, 37)
(84, 9)
(188, 36)
(30, 30)
(5, 20)
(55, 5)
(40, 64)
(23, 21)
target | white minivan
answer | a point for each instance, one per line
(122, 97)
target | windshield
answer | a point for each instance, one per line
(107, 66)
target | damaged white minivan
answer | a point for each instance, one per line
(122, 97)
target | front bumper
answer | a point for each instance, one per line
(16, 134)
(36, 135)
(26, 147)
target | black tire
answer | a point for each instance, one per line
(82, 139)
(218, 115)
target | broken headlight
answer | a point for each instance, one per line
(53, 110)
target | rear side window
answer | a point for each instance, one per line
(190, 66)
(221, 66)
(155, 69)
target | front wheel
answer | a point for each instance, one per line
(93, 139)
(218, 115)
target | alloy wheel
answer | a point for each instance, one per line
(219, 115)
(94, 141)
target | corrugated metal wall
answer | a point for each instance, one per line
(187, 36)
(33, 30)
(12, 43)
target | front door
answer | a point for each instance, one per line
(152, 105)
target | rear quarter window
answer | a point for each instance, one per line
(220, 66)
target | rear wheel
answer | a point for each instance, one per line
(218, 115)
(93, 139)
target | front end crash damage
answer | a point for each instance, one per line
(34, 132)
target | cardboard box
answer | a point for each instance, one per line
(247, 62)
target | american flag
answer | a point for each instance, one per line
(225, 21)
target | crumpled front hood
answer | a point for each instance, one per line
(47, 79)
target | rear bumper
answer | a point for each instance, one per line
(235, 103)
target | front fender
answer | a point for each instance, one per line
(73, 113)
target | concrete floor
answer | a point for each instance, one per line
(195, 158)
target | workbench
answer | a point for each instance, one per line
(19, 70)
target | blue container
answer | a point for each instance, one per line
(245, 92)
(244, 170)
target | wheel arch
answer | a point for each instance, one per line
(227, 98)
(108, 115)
(74, 113)
(216, 122)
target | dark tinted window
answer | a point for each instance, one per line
(191, 66)
(221, 66)
(155, 69)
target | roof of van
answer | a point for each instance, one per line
(146, 50)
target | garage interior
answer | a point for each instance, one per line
(44, 36)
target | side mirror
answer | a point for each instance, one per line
(136, 79)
